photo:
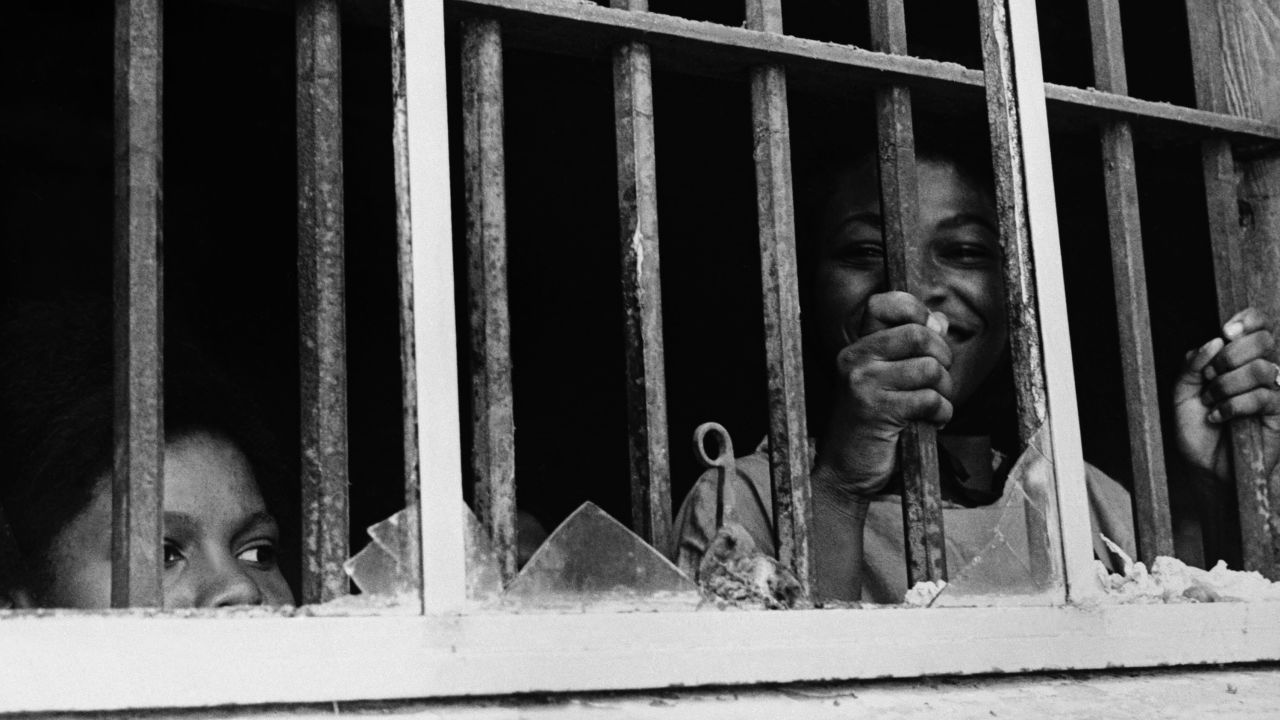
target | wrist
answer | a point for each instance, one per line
(832, 493)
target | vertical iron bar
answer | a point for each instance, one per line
(404, 268)
(493, 426)
(137, 481)
(918, 446)
(1015, 233)
(321, 312)
(1258, 536)
(1222, 86)
(788, 436)
(1142, 397)
(642, 289)
(1021, 304)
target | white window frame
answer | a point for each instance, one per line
(79, 661)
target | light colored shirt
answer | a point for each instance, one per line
(986, 544)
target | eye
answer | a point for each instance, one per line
(263, 555)
(861, 253)
(172, 554)
(969, 253)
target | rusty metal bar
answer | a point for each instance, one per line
(1021, 304)
(321, 313)
(1015, 233)
(1222, 86)
(493, 426)
(918, 446)
(404, 268)
(1258, 535)
(137, 559)
(788, 443)
(713, 49)
(1142, 397)
(650, 452)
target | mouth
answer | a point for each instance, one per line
(960, 333)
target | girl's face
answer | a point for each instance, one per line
(219, 541)
(961, 257)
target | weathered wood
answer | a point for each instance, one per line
(404, 269)
(483, 655)
(650, 453)
(321, 310)
(1128, 268)
(713, 49)
(1234, 57)
(788, 435)
(493, 421)
(439, 444)
(137, 556)
(905, 252)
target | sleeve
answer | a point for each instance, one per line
(1111, 514)
(744, 494)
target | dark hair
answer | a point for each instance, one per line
(56, 421)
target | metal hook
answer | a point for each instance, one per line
(723, 461)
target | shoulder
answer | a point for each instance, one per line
(746, 499)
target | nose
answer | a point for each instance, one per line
(228, 584)
(933, 285)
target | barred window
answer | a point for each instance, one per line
(489, 265)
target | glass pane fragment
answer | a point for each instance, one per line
(593, 557)
(1020, 559)
(380, 568)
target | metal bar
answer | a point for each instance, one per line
(137, 559)
(1015, 233)
(1258, 536)
(650, 453)
(711, 48)
(1142, 397)
(404, 268)
(1068, 552)
(788, 436)
(321, 314)
(918, 446)
(493, 427)
(1223, 87)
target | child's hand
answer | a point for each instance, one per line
(1228, 377)
(892, 372)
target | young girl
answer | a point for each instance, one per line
(222, 539)
(942, 358)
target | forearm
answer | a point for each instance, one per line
(838, 518)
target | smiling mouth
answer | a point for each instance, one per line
(960, 334)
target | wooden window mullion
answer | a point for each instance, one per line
(493, 424)
(321, 309)
(788, 435)
(650, 454)
(1035, 292)
(1142, 397)
(137, 481)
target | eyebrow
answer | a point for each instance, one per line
(958, 220)
(961, 219)
(257, 519)
(176, 522)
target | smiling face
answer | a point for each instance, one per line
(961, 257)
(219, 540)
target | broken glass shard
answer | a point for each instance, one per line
(591, 557)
